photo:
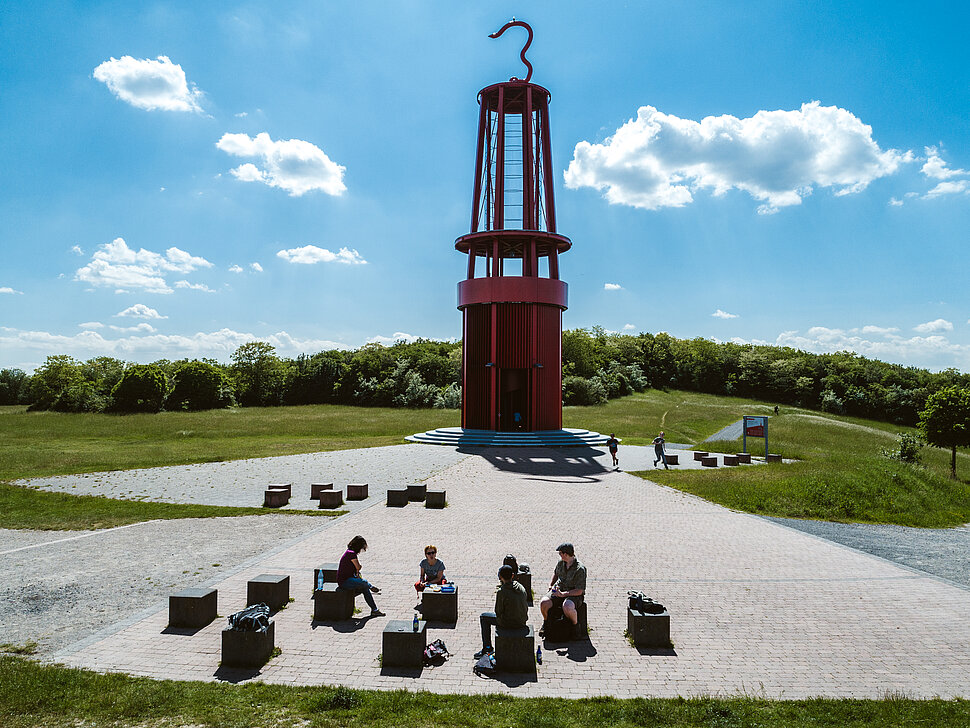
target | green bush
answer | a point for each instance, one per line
(582, 392)
(199, 386)
(141, 389)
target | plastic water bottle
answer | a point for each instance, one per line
(414, 624)
(319, 579)
(539, 655)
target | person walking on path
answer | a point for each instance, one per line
(349, 578)
(658, 449)
(613, 444)
(511, 609)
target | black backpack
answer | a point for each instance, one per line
(639, 602)
(254, 618)
(436, 653)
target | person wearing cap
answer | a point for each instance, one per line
(511, 609)
(568, 585)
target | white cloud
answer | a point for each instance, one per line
(142, 328)
(148, 84)
(934, 326)
(194, 286)
(241, 115)
(612, 287)
(936, 168)
(388, 340)
(948, 188)
(8, 289)
(140, 310)
(882, 330)
(778, 157)
(91, 325)
(77, 250)
(115, 265)
(895, 202)
(629, 327)
(292, 164)
(235, 269)
(724, 315)
(310, 254)
(256, 267)
(146, 348)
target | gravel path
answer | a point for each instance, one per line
(727, 434)
(943, 552)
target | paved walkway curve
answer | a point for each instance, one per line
(756, 607)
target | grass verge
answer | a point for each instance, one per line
(40, 510)
(32, 694)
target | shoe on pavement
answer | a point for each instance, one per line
(377, 613)
(484, 651)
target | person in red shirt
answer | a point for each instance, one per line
(349, 578)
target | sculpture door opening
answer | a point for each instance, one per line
(515, 400)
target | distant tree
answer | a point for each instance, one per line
(260, 375)
(141, 389)
(103, 373)
(199, 386)
(13, 386)
(945, 421)
(54, 378)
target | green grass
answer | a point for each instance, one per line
(42, 510)
(42, 695)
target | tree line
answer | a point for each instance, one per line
(597, 365)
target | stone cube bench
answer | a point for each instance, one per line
(772, 458)
(515, 649)
(435, 499)
(192, 608)
(329, 574)
(744, 458)
(402, 646)
(709, 462)
(673, 459)
(440, 606)
(525, 579)
(417, 492)
(316, 488)
(698, 455)
(331, 604)
(272, 590)
(248, 649)
(730, 459)
(397, 497)
(275, 498)
(357, 491)
(648, 630)
(331, 499)
(288, 487)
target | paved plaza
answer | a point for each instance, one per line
(756, 607)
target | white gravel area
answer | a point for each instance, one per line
(242, 482)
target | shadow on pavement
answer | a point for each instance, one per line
(343, 626)
(235, 674)
(184, 631)
(577, 463)
(657, 651)
(402, 671)
(577, 651)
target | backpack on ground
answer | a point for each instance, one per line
(436, 653)
(485, 665)
(639, 602)
(254, 618)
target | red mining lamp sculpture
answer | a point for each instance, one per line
(512, 298)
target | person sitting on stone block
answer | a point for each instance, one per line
(432, 569)
(511, 609)
(349, 578)
(568, 586)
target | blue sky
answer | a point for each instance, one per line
(182, 177)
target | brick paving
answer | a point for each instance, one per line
(755, 607)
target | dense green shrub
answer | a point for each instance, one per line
(582, 392)
(141, 389)
(14, 387)
(199, 386)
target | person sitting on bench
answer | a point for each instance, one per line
(432, 569)
(349, 578)
(567, 588)
(511, 609)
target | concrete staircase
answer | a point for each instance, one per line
(458, 437)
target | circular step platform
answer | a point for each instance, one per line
(459, 437)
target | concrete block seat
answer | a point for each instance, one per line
(331, 499)
(648, 630)
(317, 488)
(331, 604)
(402, 646)
(581, 628)
(731, 460)
(397, 497)
(515, 649)
(272, 590)
(248, 649)
(417, 492)
(329, 574)
(744, 458)
(700, 455)
(275, 498)
(357, 491)
(192, 608)
(287, 487)
(440, 606)
(525, 579)
(435, 499)
(772, 458)
(709, 462)
(673, 459)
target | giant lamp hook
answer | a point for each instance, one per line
(520, 24)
